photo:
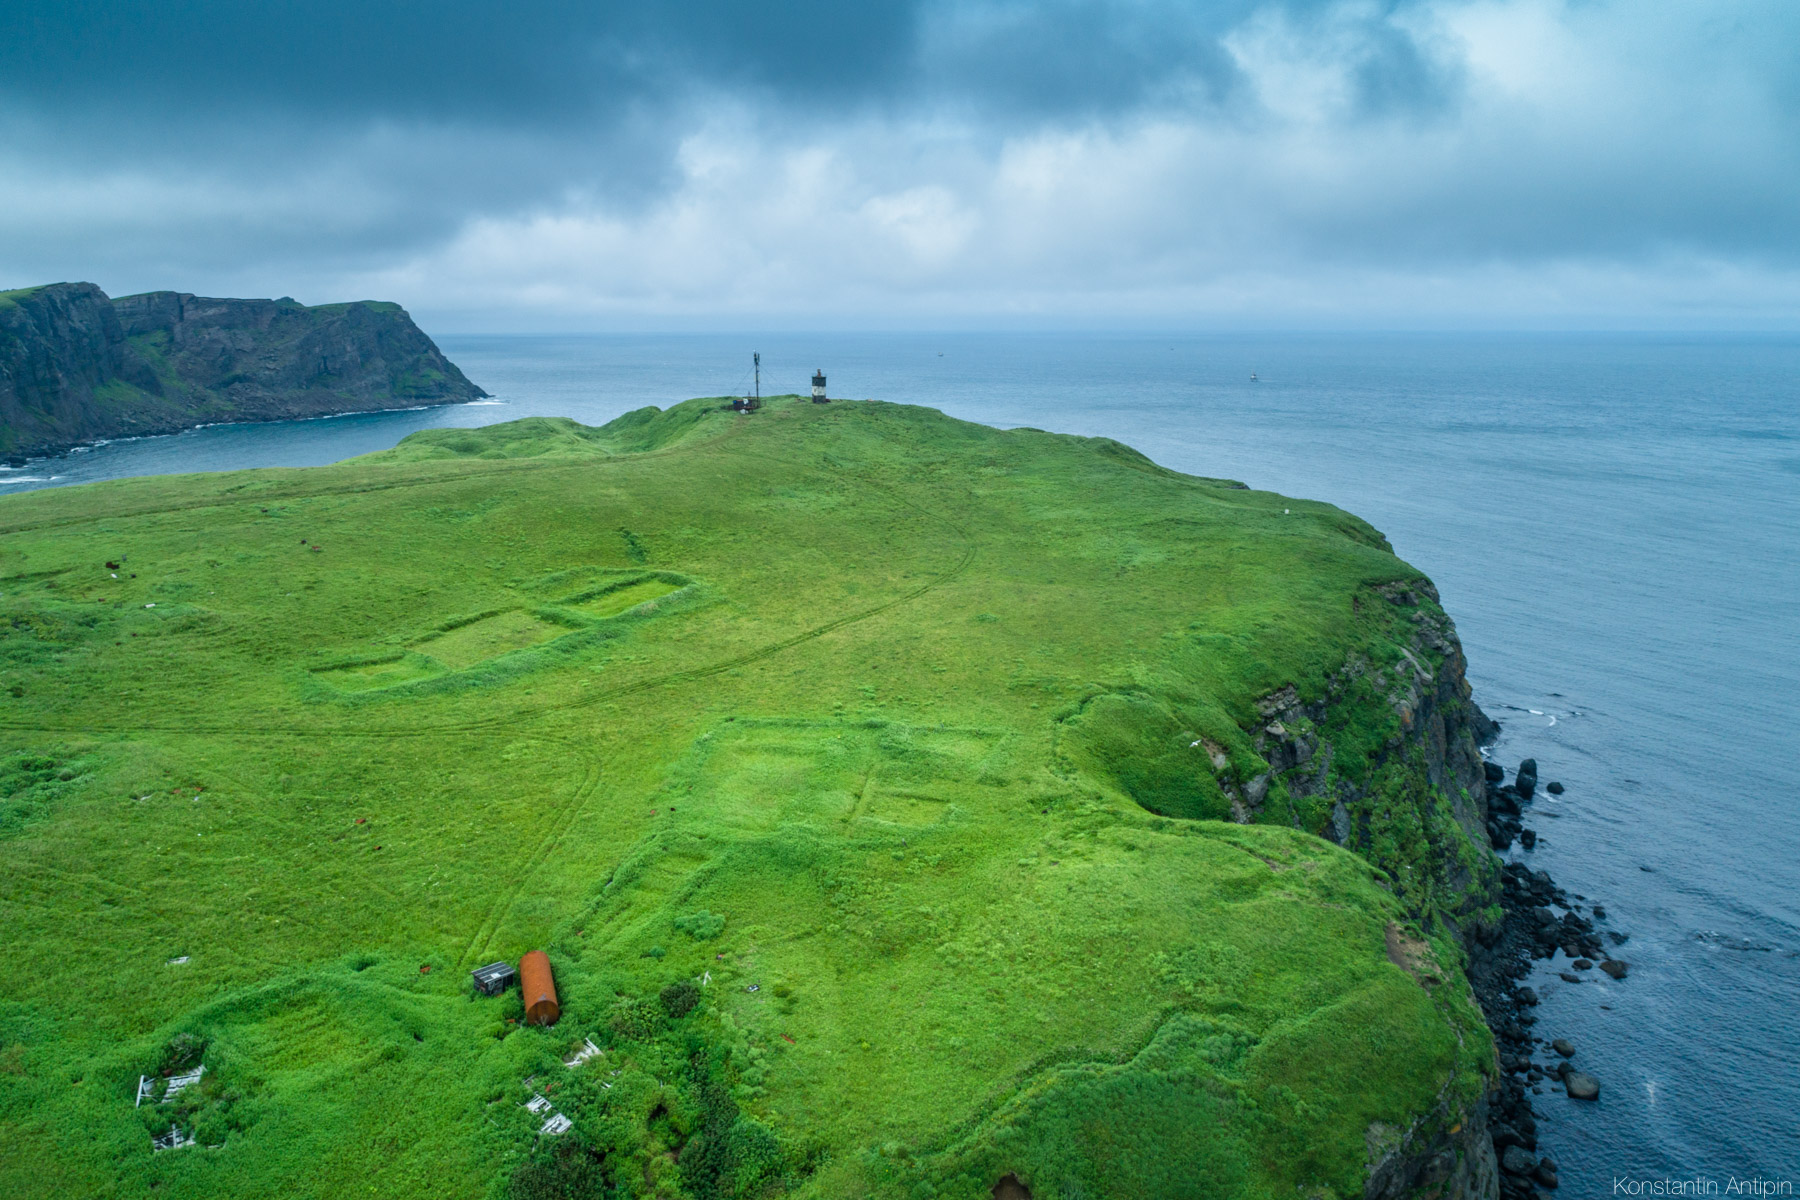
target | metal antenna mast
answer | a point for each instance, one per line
(756, 357)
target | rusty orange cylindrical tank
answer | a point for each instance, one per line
(538, 989)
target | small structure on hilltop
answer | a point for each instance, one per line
(539, 989)
(819, 396)
(494, 978)
(753, 401)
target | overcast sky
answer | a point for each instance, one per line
(560, 164)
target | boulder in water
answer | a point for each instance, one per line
(1495, 772)
(1615, 967)
(1581, 1086)
(1554, 788)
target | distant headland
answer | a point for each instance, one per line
(77, 366)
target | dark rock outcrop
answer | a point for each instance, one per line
(1457, 1163)
(76, 366)
(1437, 734)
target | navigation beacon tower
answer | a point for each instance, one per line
(819, 396)
(753, 401)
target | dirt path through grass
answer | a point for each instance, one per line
(567, 811)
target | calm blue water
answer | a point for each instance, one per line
(1613, 521)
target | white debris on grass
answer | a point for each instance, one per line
(177, 961)
(180, 1083)
(588, 1050)
(172, 1140)
(554, 1122)
(146, 1086)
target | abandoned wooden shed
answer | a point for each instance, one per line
(539, 989)
(494, 978)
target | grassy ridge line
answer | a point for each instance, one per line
(438, 471)
(223, 501)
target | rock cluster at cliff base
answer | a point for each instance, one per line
(1501, 956)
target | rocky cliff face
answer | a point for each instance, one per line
(1410, 793)
(1414, 802)
(76, 366)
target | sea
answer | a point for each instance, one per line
(1614, 522)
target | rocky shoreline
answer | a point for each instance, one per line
(1540, 920)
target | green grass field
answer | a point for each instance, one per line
(850, 762)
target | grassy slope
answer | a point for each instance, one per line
(408, 712)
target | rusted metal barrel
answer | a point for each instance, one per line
(538, 989)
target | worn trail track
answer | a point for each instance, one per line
(569, 810)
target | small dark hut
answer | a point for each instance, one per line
(819, 396)
(494, 978)
(539, 989)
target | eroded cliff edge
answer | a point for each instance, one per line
(77, 366)
(1415, 803)
(1381, 756)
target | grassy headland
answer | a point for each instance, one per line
(864, 772)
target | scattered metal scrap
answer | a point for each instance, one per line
(180, 1083)
(177, 1084)
(554, 1124)
(588, 1050)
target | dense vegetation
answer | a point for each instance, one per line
(861, 771)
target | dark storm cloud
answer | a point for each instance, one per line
(1005, 153)
(546, 61)
(550, 63)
